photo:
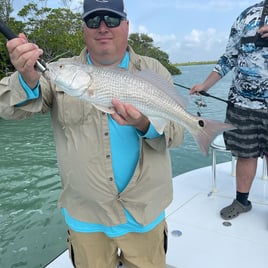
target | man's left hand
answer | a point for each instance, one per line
(127, 114)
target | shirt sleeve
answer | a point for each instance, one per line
(150, 134)
(31, 93)
(229, 59)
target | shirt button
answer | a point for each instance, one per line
(111, 179)
(108, 156)
(106, 134)
(118, 197)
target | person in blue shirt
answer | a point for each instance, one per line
(247, 55)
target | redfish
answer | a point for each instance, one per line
(147, 91)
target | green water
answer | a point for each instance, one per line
(32, 230)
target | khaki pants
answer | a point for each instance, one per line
(137, 250)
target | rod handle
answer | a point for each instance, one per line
(9, 34)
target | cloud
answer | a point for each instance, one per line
(202, 5)
(197, 45)
(201, 45)
(206, 38)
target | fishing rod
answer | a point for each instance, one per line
(40, 65)
(203, 93)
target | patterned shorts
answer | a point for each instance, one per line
(250, 139)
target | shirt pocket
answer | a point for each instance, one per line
(72, 110)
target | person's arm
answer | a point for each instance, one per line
(127, 115)
(211, 80)
(151, 133)
(23, 85)
(31, 93)
(227, 61)
(23, 56)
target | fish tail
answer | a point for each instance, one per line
(208, 130)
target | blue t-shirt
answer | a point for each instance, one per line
(125, 148)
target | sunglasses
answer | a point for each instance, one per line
(111, 21)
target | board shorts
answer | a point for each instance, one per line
(250, 139)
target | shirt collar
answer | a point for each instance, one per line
(124, 63)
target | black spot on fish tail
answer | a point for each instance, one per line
(201, 123)
(206, 132)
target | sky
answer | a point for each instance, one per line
(188, 31)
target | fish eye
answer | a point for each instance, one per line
(61, 66)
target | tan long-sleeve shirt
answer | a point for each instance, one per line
(82, 141)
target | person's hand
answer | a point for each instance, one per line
(196, 89)
(263, 31)
(23, 56)
(127, 114)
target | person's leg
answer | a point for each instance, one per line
(248, 142)
(245, 143)
(139, 250)
(92, 250)
(245, 173)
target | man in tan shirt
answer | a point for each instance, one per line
(115, 169)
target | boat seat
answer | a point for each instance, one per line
(218, 145)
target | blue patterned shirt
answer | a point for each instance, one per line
(249, 86)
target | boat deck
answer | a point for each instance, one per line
(199, 237)
(207, 240)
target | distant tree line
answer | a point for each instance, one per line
(58, 31)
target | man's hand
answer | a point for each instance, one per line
(127, 114)
(23, 56)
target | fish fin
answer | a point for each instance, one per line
(158, 123)
(105, 109)
(160, 82)
(208, 131)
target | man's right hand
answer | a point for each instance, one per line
(23, 56)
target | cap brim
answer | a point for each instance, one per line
(122, 14)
